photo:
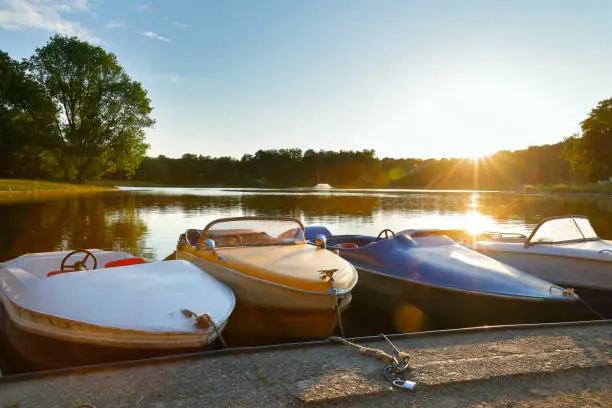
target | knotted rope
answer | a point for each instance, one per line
(204, 321)
(398, 366)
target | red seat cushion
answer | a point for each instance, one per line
(347, 245)
(124, 262)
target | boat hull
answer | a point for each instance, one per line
(26, 351)
(399, 305)
(591, 279)
(268, 313)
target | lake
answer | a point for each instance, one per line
(147, 222)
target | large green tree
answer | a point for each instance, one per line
(102, 112)
(26, 122)
(591, 154)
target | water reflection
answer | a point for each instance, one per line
(75, 222)
(147, 222)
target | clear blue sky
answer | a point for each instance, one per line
(407, 78)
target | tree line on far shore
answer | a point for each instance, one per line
(70, 112)
(294, 167)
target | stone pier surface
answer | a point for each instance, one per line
(529, 366)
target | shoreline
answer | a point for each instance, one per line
(17, 187)
(16, 190)
(21, 186)
(67, 191)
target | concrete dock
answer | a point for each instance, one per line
(523, 366)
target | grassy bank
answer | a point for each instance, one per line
(128, 183)
(16, 186)
(593, 188)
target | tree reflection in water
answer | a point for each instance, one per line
(147, 223)
(108, 222)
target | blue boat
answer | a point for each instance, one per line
(421, 279)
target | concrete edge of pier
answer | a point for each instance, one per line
(536, 361)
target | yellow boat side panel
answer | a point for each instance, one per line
(298, 266)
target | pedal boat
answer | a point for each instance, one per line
(418, 280)
(65, 309)
(565, 250)
(286, 290)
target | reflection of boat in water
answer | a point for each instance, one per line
(108, 306)
(416, 279)
(285, 289)
(565, 250)
(323, 186)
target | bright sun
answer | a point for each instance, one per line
(473, 156)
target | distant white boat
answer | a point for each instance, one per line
(107, 306)
(322, 185)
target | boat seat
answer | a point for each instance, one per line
(125, 262)
(111, 264)
(193, 236)
(346, 245)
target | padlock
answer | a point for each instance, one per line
(409, 385)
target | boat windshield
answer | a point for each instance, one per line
(560, 230)
(252, 231)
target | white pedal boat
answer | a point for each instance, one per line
(564, 250)
(91, 314)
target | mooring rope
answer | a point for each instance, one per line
(380, 354)
(216, 328)
(339, 314)
(204, 321)
(397, 369)
(569, 292)
(595, 312)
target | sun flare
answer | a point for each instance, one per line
(474, 156)
(475, 223)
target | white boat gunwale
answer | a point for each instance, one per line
(101, 335)
(333, 291)
(481, 247)
(61, 328)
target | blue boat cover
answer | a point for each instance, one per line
(439, 261)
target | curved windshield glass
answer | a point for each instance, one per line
(586, 228)
(249, 232)
(563, 230)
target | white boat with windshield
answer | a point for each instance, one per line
(565, 250)
(60, 309)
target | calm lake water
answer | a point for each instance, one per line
(147, 222)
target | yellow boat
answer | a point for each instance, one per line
(285, 289)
